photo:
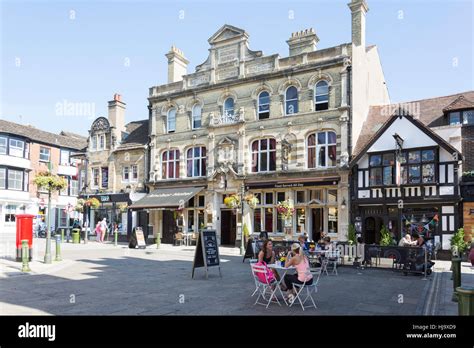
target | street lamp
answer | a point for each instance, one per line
(85, 214)
(242, 194)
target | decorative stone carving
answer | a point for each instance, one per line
(101, 124)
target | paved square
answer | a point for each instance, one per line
(103, 279)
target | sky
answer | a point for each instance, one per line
(62, 61)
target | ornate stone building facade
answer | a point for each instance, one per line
(116, 166)
(280, 128)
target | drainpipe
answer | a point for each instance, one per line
(349, 139)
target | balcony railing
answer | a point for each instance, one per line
(226, 118)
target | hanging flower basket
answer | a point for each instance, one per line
(232, 202)
(93, 203)
(286, 209)
(123, 207)
(252, 201)
(79, 205)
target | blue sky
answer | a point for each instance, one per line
(54, 52)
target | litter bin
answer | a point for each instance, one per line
(465, 300)
(76, 236)
(24, 230)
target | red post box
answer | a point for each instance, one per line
(24, 230)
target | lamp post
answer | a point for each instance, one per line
(47, 255)
(242, 194)
(85, 214)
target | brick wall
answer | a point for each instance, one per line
(38, 166)
(468, 220)
(467, 134)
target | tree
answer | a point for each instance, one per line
(386, 239)
(49, 182)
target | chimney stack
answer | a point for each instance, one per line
(177, 65)
(117, 117)
(359, 9)
(303, 41)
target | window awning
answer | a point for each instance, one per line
(166, 198)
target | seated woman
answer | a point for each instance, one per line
(419, 239)
(267, 255)
(301, 263)
(406, 241)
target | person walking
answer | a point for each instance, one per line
(103, 229)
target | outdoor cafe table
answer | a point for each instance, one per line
(282, 271)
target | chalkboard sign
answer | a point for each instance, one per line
(207, 251)
(137, 239)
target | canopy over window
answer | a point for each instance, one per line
(167, 198)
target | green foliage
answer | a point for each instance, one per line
(246, 231)
(469, 174)
(50, 182)
(351, 234)
(458, 241)
(386, 239)
(93, 203)
(79, 205)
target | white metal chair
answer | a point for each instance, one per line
(308, 290)
(254, 261)
(264, 288)
(332, 259)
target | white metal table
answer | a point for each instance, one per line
(284, 270)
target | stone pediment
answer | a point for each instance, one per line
(227, 32)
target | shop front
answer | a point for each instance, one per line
(433, 221)
(113, 207)
(172, 210)
(317, 207)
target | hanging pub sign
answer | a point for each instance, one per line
(207, 251)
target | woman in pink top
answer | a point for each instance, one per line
(301, 263)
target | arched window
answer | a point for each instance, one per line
(196, 161)
(291, 100)
(171, 120)
(229, 107)
(321, 96)
(321, 150)
(170, 164)
(263, 105)
(264, 155)
(196, 116)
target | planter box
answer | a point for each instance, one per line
(467, 178)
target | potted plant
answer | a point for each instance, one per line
(232, 201)
(286, 209)
(459, 245)
(468, 176)
(351, 238)
(386, 238)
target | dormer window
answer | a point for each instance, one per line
(465, 117)
(454, 118)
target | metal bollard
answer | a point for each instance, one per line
(62, 235)
(158, 240)
(115, 237)
(58, 248)
(466, 300)
(25, 256)
(456, 262)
